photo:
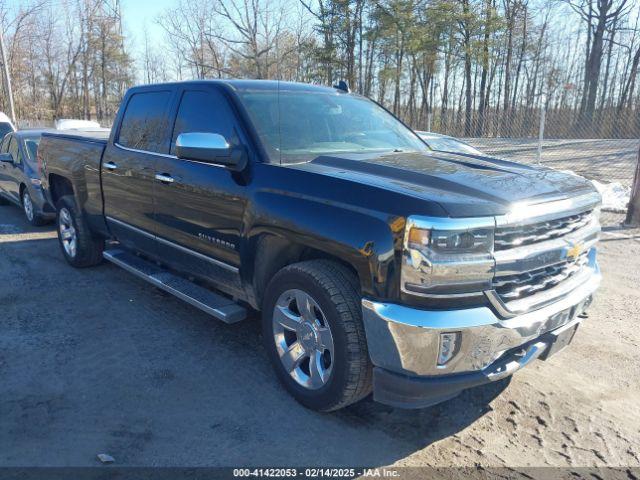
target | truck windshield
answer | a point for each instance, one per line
(302, 125)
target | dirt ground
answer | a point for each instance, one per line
(95, 361)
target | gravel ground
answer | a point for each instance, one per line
(96, 361)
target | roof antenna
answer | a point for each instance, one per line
(342, 85)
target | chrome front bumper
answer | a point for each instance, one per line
(406, 340)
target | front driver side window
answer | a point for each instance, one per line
(204, 112)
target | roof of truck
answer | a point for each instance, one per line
(237, 84)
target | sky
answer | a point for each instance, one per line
(140, 13)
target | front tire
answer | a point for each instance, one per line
(30, 211)
(78, 246)
(314, 335)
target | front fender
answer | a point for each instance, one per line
(364, 239)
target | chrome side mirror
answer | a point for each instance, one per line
(210, 148)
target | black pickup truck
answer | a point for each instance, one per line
(378, 265)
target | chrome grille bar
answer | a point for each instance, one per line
(510, 237)
(542, 252)
(519, 286)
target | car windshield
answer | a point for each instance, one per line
(446, 144)
(302, 125)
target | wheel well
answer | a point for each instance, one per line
(22, 187)
(274, 253)
(59, 187)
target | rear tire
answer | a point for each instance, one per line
(30, 211)
(330, 297)
(79, 247)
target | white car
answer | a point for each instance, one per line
(74, 124)
(445, 143)
(5, 125)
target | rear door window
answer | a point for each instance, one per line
(144, 123)
(204, 112)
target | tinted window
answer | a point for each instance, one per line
(13, 150)
(32, 147)
(144, 122)
(204, 112)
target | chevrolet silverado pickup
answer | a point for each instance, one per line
(377, 264)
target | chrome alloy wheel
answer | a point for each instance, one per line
(27, 204)
(303, 339)
(67, 232)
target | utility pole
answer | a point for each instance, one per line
(543, 115)
(633, 213)
(7, 80)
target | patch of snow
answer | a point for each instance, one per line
(615, 196)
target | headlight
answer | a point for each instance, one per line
(451, 241)
(446, 257)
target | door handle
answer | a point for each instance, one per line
(164, 178)
(110, 166)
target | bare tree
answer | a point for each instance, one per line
(599, 16)
(255, 29)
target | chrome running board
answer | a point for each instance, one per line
(221, 307)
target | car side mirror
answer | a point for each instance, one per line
(210, 148)
(6, 158)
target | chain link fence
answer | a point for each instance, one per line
(603, 149)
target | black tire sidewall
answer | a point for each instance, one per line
(64, 203)
(25, 194)
(88, 249)
(324, 397)
(36, 221)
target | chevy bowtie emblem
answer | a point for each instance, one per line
(574, 252)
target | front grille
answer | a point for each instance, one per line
(511, 237)
(515, 287)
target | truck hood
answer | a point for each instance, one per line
(463, 185)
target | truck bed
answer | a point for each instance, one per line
(75, 155)
(98, 136)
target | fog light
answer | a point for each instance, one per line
(587, 302)
(448, 347)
